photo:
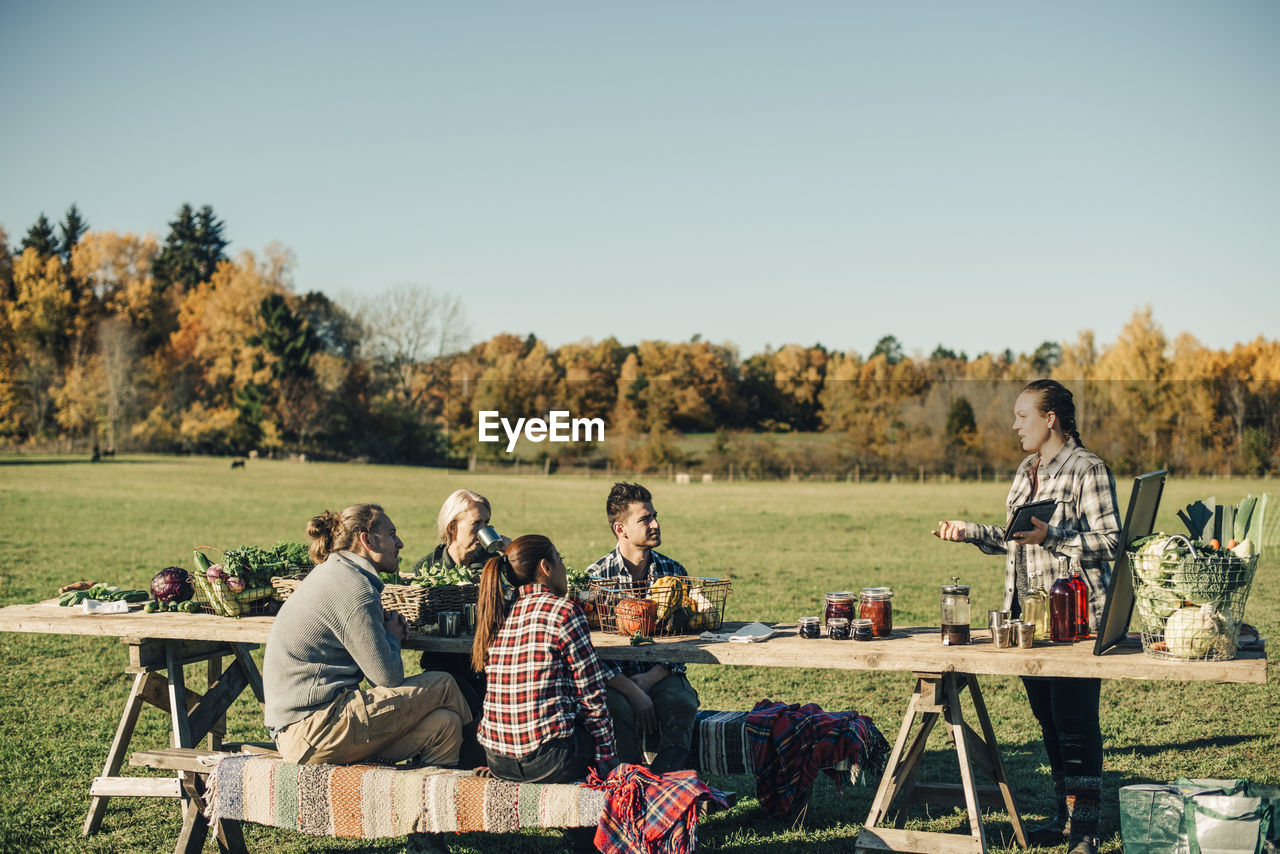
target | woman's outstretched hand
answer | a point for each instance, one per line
(952, 531)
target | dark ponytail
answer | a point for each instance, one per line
(517, 567)
(1056, 398)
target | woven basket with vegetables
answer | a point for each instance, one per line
(1189, 596)
(240, 584)
(671, 605)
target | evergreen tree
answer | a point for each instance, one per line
(287, 336)
(890, 348)
(73, 228)
(41, 238)
(192, 251)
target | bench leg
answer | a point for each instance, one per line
(195, 828)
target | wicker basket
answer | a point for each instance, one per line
(687, 605)
(420, 605)
(1205, 594)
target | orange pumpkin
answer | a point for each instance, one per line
(636, 615)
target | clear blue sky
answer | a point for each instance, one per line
(977, 174)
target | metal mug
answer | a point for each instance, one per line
(449, 623)
(996, 619)
(1026, 634)
(491, 539)
(469, 618)
(1002, 636)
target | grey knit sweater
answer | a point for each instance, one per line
(326, 638)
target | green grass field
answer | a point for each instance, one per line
(783, 544)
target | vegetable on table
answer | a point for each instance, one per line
(636, 615)
(172, 584)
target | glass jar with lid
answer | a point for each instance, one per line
(955, 613)
(808, 628)
(876, 604)
(840, 605)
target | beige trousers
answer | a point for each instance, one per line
(421, 719)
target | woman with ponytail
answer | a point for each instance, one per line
(545, 718)
(1085, 529)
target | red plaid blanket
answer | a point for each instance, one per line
(647, 813)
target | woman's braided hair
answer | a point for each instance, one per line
(1056, 398)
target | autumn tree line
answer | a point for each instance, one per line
(127, 342)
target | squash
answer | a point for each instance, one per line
(636, 615)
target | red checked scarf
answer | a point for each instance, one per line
(646, 813)
(790, 744)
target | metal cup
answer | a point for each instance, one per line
(490, 539)
(996, 619)
(1002, 636)
(449, 623)
(1026, 635)
(469, 618)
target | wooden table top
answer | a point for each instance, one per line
(907, 649)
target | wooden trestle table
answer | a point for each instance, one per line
(160, 644)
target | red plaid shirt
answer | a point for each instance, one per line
(543, 676)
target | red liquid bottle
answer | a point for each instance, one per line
(1062, 609)
(1081, 594)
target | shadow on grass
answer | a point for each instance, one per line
(1191, 744)
(77, 459)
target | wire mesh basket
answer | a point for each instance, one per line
(1189, 605)
(236, 596)
(667, 606)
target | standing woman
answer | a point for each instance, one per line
(1085, 527)
(545, 718)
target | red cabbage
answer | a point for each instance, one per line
(172, 584)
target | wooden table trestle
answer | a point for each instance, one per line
(159, 680)
(937, 696)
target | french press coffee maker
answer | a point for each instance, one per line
(955, 613)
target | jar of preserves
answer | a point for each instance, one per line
(838, 628)
(876, 604)
(838, 605)
(809, 628)
(861, 629)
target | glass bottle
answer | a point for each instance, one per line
(1062, 608)
(1035, 605)
(1081, 594)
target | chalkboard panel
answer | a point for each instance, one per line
(1139, 520)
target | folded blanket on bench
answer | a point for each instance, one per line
(377, 802)
(721, 746)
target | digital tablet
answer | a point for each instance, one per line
(1024, 513)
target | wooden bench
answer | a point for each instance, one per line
(262, 788)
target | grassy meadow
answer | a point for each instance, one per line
(783, 544)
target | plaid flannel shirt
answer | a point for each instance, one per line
(613, 566)
(1085, 525)
(543, 676)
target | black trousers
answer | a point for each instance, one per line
(564, 760)
(1067, 710)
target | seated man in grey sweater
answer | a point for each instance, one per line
(332, 634)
